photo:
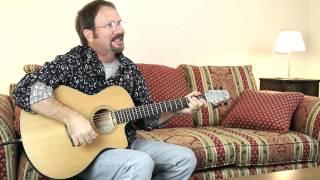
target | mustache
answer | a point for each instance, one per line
(118, 36)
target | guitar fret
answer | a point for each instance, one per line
(165, 107)
(152, 109)
(133, 113)
(171, 108)
(136, 111)
(181, 103)
(140, 112)
(120, 116)
(148, 110)
(129, 115)
(124, 117)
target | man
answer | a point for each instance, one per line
(90, 68)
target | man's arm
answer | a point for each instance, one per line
(79, 128)
(35, 90)
(194, 104)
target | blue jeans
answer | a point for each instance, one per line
(145, 160)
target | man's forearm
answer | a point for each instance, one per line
(42, 101)
(54, 109)
(165, 117)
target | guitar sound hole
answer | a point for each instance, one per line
(102, 121)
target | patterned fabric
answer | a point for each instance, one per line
(307, 117)
(81, 69)
(16, 124)
(264, 111)
(266, 148)
(8, 153)
(211, 149)
(219, 146)
(26, 171)
(235, 79)
(39, 92)
(231, 172)
(165, 83)
(30, 68)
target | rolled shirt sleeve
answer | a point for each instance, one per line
(39, 92)
(52, 74)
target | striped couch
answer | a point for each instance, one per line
(221, 152)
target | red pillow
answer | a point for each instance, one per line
(266, 111)
(167, 83)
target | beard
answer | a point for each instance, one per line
(117, 48)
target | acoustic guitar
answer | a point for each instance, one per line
(47, 143)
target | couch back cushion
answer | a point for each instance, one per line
(235, 79)
(166, 83)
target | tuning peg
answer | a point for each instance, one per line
(225, 103)
(220, 88)
(215, 88)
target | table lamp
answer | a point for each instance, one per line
(288, 42)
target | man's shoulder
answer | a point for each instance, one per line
(74, 55)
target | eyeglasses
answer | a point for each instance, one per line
(112, 25)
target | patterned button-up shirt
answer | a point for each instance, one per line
(81, 69)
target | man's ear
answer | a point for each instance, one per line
(88, 34)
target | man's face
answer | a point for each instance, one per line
(108, 34)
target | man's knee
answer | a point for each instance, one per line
(190, 158)
(143, 161)
(143, 166)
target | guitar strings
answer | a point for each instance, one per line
(140, 110)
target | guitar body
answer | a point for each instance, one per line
(47, 143)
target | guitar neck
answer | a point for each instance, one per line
(134, 113)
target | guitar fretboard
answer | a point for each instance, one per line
(134, 113)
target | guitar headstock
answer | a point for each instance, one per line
(216, 97)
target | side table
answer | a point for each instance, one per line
(305, 86)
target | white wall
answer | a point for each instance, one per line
(168, 32)
(313, 70)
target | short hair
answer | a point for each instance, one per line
(86, 16)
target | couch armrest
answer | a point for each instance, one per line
(307, 117)
(8, 153)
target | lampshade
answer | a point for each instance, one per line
(289, 41)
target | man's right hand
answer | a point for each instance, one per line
(80, 130)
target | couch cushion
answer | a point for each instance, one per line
(166, 83)
(8, 153)
(26, 171)
(231, 172)
(267, 111)
(266, 148)
(211, 150)
(220, 146)
(306, 119)
(235, 79)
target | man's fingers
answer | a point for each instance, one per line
(88, 139)
(93, 134)
(81, 140)
(75, 141)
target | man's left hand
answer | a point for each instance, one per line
(194, 104)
